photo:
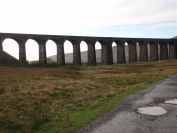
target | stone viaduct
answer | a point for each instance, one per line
(156, 49)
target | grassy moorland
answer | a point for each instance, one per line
(7, 59)
(62, 99)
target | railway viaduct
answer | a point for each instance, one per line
(167, 48)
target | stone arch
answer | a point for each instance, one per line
(132, 51)
(1, 41)
(114, 52)
(148, 50)
(172, 50)
(126, 52)
(32, 50)
(42, 49)
(91, 55)
(104, 52)
(98, 52)
(84, 51)
(51, 51)
(153, 51)
(163, 50)
(68, 52)
(138, 51)
(60, 51)
(60, 57)
(143, 51)
(120, 51)
(11, 46)
(76, 52)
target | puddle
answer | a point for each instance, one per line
(172, 101)
(172, 84)
(152, 110)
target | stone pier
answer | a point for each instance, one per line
(172, 50)
(132, 51)
(143, 56)
(166, 51)
(163, 50)
(153, 51)
(91, 53)
(120, 52)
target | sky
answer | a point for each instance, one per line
(105, 18)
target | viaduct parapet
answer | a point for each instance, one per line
(156, 49)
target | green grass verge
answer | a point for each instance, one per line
(86, 115)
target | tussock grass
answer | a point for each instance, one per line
(62, 99)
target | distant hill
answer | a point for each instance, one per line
(69, 56)
(175, 37)
(7, 59)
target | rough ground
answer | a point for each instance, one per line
(125, 119)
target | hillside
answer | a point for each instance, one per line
(175, 37)
(69, 56)
(7, 59)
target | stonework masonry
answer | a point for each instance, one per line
(172, 50)
(160, 49)
(60, 54)
(143, 51)
(132, 51)
(163, 51)
(120, 52)
(153, 51)
(91, 54)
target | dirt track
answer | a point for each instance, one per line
(125, 119)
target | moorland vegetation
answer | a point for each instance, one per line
(62, 99)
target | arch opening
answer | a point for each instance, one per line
(126, 52)
(138, 51)
(148, 50)
(32, 51)
(51, 51)
(114, 52)
(98, 52)
(84, 51)
(68, 51)
(158, 49)
(11, 47)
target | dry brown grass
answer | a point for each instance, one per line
(51, 99)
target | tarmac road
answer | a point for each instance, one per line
(125, 119)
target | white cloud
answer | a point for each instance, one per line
(70, 17)
(61, 16)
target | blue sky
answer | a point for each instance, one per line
(108, 18)
(166, 29)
